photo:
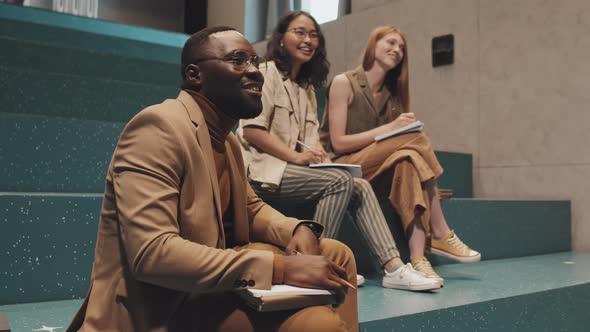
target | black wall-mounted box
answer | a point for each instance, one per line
(443, 50)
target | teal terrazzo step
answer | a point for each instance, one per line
(55, 154)
(30, 24)
(71, 60)
(43, 154)
(458, 173)
(496, 228)
(56, 94)
(46, 245)
(536, 293)
(38, 228)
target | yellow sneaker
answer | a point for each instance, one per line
(453, 248)
(422, 265)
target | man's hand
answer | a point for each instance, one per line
(313, 271)
(303, 241)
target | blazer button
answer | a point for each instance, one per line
(251, 283)
(244, 283)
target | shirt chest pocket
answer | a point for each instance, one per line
(283, 123)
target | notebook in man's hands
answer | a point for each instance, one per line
(412, 127)
(285, 297)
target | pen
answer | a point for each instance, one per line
(305, 145)
(295, 252)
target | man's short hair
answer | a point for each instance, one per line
(194, 47)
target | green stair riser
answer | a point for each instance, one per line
(47, 245)
(498, 229)
(72, 61)
(55, 154)
(564, 309)
(44, 154)
(32, 224)
(458, 173)
(64, 30)
(52, 94)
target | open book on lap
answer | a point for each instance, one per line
(412, 127)
(355, 170)
(285, 297)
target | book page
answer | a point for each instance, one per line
(279, 290)
(414, 126)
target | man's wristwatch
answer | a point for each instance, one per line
(316, 228)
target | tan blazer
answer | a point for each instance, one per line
(285, 116)
(160, 234)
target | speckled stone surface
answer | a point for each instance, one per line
(46, 246)
(496, 228)
(43, 154)
(75, 61)
(26, 317)
(56, 94)
(536, 293)
(457, 174)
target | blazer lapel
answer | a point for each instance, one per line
(194, 113)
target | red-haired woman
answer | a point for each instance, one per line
(374, 99)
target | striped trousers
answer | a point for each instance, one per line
(335, 191)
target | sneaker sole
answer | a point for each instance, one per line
(460, 259)
(413, 287)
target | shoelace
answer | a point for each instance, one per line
(404, 272)
(425, 267)
(456, 243)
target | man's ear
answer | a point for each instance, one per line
(192, 73)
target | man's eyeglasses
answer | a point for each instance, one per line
(301, 33)
(240, 60)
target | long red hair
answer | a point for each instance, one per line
(396, 79)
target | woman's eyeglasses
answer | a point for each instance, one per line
(301, 33)
(239, 59)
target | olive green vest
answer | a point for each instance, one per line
(364, 113)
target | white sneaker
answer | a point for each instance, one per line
(405, 277)
(360, 280)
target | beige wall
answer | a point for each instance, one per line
(534, 137)
(226, 12)
(516, 97)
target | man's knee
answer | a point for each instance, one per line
(319, 318)
(338, 253)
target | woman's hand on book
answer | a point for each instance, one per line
(309, 157)
(403, 120)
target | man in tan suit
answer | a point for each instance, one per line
(180, 227)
